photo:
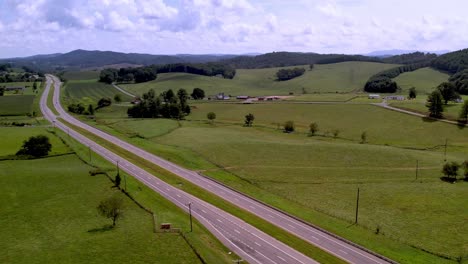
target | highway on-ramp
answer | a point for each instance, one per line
(337, 246)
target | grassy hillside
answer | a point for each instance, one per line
(329, 78)
(425, 80)
(81, 75)
(316, 177)
(90, 91)
(451, 110)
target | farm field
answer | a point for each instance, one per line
(90, 91)
(425, 80)
(323, 173)
(28, 88)
(451, 111)
(81, 75)
(50, 204)
(16, 104)
(331, 78)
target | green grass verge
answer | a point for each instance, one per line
(186, 186)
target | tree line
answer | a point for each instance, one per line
(165, 105)
(382, 82)
(149, 73)
(288, 74)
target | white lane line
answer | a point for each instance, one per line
(314, 238)
(271, 216)
(251, 207)
(237, 231)
(292, 226)
(203, 211)
(219, 220)
(281, 258)
(344, 252)
(257, 244)
(178, 195)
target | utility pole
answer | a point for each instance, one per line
(445, 152)
(89, 148)
(190, 215)
(238, 261)
(118, 171)
(357, 206)
(417, 168)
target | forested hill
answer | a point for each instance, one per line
(79, 59)
(283, 59)
(452, 62)
(411, 58)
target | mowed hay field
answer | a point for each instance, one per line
(425, 80)
(49, 214)
(451, 110)
(317, 177)
(16, 104)
(90, 91)
(330, 78)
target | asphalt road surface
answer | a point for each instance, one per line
(328, 242)
(245, 240)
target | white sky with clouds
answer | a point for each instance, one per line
(29, 27)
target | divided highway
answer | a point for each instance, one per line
(248, 242)
(324, 240)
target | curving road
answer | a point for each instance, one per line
(248, 242)
(335, 245)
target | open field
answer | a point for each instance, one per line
(81, 75)
(90, 91)
(12, 138)
(425, 80)
(27, 91)
(340, 77)
(323, 173)
(451, 111)
(16, 105)
(50, 204)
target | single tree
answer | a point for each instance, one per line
(249, 120)
(364, 137)
(211, 116)
(412, 93)
(311, 67)
(450, 169)
(448, 91)
(36, 146)
(313, 128)
(118, 180)
(103, 102)
(117, 98)
(336, 133)
(464, 112)
(90, 109)
(435, 104)
(465, 169)
(111, 208)
(198, 94)
(289, 126)
(2, 91)
(34, 86)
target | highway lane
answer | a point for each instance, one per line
(248, 242)
(330, 243)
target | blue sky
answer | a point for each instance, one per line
(31, 27)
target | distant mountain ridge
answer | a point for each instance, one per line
(80, 59)
(396, 52)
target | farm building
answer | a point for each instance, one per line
(242, 97)
(395, 97)
(374, 96)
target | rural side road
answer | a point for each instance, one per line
(248, 242)
(324, 240)
(123, 91)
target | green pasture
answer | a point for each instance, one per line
(12, 138)
(16, 105)
(90, 91)
(425, 80)
(330, 78)
(320, 175)
(27, 91)
(81, 75)
(451, 110)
